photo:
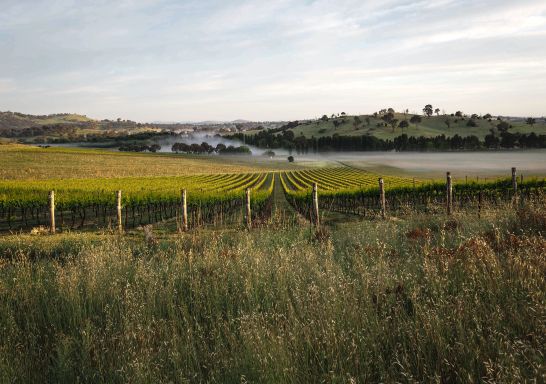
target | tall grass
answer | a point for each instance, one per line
(427, 299)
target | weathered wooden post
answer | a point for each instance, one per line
(248, 211)
(52, 212)
(315, 205)
(514, 180)
(382, 198)
(184, 202)
(120, 225)
(480, 204)
(449, 193)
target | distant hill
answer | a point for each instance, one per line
(374, 125)
(16, 120)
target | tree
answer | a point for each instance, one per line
(530, 121)
(448, 122)
(403, 124)
(367, 121)
(324, 118)
(437, 111)
(474, 116)
(393, 123)
(459, 114)
(503, 126)
(428, 110)
(415, 119)
(387, 118)
(471, 123)
(356, 122)
(343, 114)
(154, 148)
(390, 110)
(290, 159)
(487, 116)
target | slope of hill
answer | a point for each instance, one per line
(428, 127)
(16, 120)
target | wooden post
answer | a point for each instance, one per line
(382, 198)
(184, 224)
(466, 179)
(521, 178)
(248, 211)
(514, 180)
(480, 204)
(315, 205)
(449, 193)
(120, 225)
(52, 212)
(414, 183)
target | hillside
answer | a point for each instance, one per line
(16, 120)
(428, 127)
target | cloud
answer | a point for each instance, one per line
(287, 59)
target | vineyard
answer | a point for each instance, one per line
(352, 191)
(220, 199)
(91, 203)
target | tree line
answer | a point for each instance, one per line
(303, 145)
(205, 147)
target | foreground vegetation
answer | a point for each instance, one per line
(424, 299)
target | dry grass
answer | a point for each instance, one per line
(417, 300)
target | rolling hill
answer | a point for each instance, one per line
(16, 120)
(428, 127)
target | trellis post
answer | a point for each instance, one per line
(382, 198)
(52, 212)
(449, 193)
(184, 203)
(514, 180)
(315, 205)
(248, 211)
(120, 225)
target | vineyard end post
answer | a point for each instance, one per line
(184, 202)
(382, 198)
(118, 198)
(514, 180)
(449, 193)
(52, 212)
(315, 205)
(248, 211)
(480, 200)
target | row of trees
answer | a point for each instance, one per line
(302, 145)
(205, 147)
(140, 148)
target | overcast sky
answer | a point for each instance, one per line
(156, 60)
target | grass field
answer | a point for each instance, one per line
(425, 299)
(429, 127)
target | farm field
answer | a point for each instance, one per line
(280, 299)
(29, 162)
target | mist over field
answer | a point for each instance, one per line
(461, 163)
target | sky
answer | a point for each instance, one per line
(195, 60)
